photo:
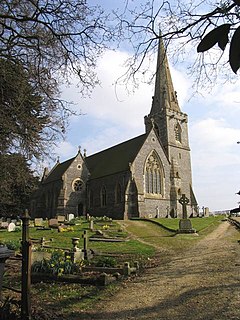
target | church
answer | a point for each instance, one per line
(141, 177)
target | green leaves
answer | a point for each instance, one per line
(234, 52)
(218, 35)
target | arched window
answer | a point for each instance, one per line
(152, 174)
(178, 133)
(103, 196)
(118, 193)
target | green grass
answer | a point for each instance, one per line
(64, 239)
(159, 237)
(198, 223)
(144, 238)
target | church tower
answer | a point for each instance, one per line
(171, 126)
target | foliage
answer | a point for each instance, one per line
(12, 244)
(17, 183)
(57, 265)
(27, 118)
(9, 309)
(43, 44)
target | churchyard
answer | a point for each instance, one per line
(99, 242)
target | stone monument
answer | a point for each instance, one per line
(185, 225)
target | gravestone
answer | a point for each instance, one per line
(38, 222)
(4, 225)
(157, 212)
(53, 223)
(91, 227)
(70, 216)
(185, 225)
(60, 219)
(11, 227)
(206, 214)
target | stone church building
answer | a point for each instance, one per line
(142, 177)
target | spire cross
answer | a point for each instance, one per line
(184, 201)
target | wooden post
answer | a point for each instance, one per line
(26, 269)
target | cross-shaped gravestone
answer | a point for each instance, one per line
(184, 201)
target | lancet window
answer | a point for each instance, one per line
(118, 193)
(103, 196)
(178, 133)
(153, 176)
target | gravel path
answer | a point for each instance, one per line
(204, 283)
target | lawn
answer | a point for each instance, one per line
(197, 223)
(143, 239)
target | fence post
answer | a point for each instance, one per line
(26, 268)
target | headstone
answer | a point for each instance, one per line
(53, 223)
(157, 212)
(91, 227)
(185, 225)
(70, 216)
(4, 225)
(75, 256)
(60, 219)
(38, 222)
(11, 227)
(206, 212)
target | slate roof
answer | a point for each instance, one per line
(57, 172)
(106, 162)
(114, 159)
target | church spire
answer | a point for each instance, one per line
(165, 96)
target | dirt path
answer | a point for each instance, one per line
(204, 283)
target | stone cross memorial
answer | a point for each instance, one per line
(184, 201)
(185, 225)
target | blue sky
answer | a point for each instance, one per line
(111, 116)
